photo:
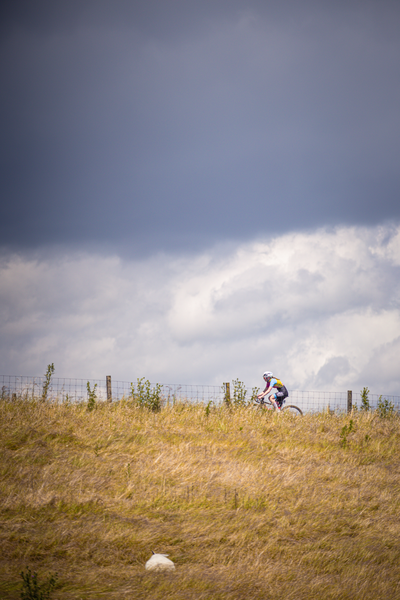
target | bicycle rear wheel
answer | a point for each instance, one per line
(293, 410)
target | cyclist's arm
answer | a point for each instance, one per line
(265, 392)
(268, 388)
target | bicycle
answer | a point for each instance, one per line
(267, 404)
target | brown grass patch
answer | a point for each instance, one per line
(247, 505)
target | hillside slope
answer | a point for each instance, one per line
(247, 504)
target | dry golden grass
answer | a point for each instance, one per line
(247, 504)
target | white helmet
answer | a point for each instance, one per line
(267, 375)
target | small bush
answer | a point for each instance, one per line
(384, 408)
(208, 408)
(365, 406)
(254, 393)
(46, 385)
(345, 432)
(145, 396)
(32, 590)
(239, 393)
(91, 396)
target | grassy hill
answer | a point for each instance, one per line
(247, 504)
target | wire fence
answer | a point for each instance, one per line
(79, 390)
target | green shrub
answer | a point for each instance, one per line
(145, 396)
(254, 393)
(47, 377)
(239, 393)
(365, 406)
(384, 408)
(208, 408)
(345, 432)
(91, 396)
(31, 590)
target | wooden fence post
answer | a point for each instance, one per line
(349, 401)
(108, 386)
(227, 393)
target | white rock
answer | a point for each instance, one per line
(159, 562)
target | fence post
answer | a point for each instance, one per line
(108, 386)
(227, 393)
(349, 401)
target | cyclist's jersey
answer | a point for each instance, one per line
(276, 383)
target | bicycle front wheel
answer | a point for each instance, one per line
(293, 410)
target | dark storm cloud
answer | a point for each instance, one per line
(158, 125)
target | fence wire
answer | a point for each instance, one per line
(78, 390)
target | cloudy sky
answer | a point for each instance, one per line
(195, 192)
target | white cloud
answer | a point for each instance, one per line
(321, 309)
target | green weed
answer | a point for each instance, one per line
(385, 408)
(145, 396)
(208, 408)
(254, 393)
(239, 393)
(92, 396)
(346, 430)
(365, 406)
(46, 385)
(32, 590)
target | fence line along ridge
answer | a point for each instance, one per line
(81, 390)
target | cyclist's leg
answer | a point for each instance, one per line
(280, 398)
(274, 399)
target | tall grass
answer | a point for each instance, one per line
(247, 504)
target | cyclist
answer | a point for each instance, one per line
(273, 383)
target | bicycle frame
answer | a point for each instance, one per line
(268, 404)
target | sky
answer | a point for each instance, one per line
(196, 192)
